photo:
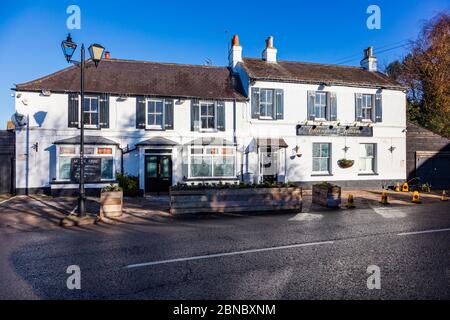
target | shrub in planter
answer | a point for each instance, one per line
(326, 194)
(219, 186)
(129, 184)
(111, 201)
(226, 198)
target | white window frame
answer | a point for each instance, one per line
(266, 104)
(153, 126)
(324, 106)
(364, 106)
(328, 172)
(77, 155)
(205, 154)
(90, 98)
(363, 158)
(203, 103)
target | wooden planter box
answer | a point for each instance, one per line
(235, 200)
(326, 195)
(111, 204)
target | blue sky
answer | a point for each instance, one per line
(193, 31)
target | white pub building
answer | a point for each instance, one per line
(257, 120)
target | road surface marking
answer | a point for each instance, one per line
(421, 232)
(389, 213)
(306, 217)
(217, 255)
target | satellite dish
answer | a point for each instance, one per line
(19, 120)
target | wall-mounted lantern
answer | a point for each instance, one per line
(298, 152)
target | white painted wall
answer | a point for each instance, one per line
(389, 132)
(41, 164)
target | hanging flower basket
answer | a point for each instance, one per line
(345, 163)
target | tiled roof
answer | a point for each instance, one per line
(327, 74)
(125, 77)
(157, 141)
(91, 140)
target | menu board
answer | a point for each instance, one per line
(92, 170)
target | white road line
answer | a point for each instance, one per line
(227, 254)
(389, 213)
(421, 232)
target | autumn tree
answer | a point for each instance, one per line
(425, 70)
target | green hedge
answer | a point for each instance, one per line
(129, 184)
(212, 186)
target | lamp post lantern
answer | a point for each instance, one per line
(96, 52)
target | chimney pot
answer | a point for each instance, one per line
(107, 55)
(269, 42)
(270, 53)
(369, 62)
(235, 54)
(235, 40)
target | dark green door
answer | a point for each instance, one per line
(158, 173)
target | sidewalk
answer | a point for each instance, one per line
(36, 213)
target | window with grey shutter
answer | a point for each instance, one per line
(255, 103)
(195, 115)
(104, 110)
(311, 105)
(333, 106)
(73, 120)
(358, 106)
(168, 114)
(140, 112)
(220, 115)
(279, 102)
(378, 108)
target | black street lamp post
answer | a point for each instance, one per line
(96, 52)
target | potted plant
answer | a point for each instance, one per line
(326, 194)
(111, 201)
(345, 163)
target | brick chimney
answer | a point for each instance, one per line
(270, 53)
(370, 61)
(235, 54)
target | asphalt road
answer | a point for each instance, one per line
(320, 255)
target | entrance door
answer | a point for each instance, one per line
(158, 173)
(269, 165)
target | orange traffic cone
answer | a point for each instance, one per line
(444, 196)
(416, 197)
(384, 198)
(350, 204)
